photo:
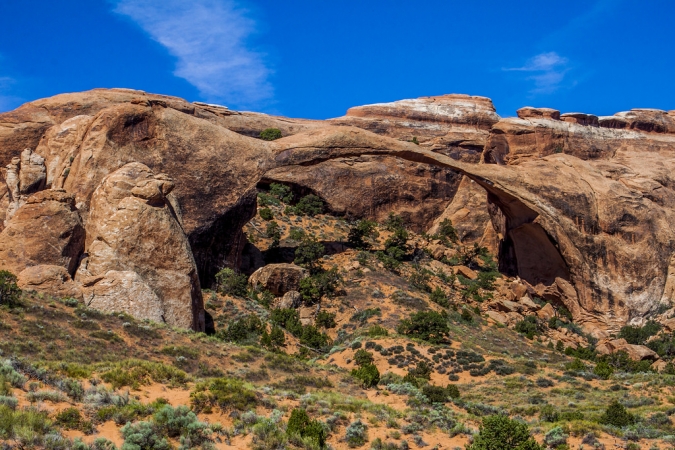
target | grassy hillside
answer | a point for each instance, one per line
(390, 349)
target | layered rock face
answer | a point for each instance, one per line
(581, 209)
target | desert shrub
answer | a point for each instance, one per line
(314, 287)
(452, 390)
(231, 283)
(309, 205)
(274, 339)
(288, 318)
(361, 230)
(435, 394)
(183, 423)
(270, 134)
(429, 326)
(9, 401)
(576, 366)
(244, 330)
(499, 432)
(639, 335)
(368, 374)
(273, 231)
(365, 314)
(134, 372)
(446, 232)
(556, 437)
(616, 415)
(265, 199)
(308, 253)
(356, 434)
(376, 331)
(388, 261)
(544, 382)
(396, 245)
(69, 418)
(587, 353)
(313, 338)
(224, 393)
(363, 357)
(268, 435)
(266, 214)
(528, 327)
(10, 294)
(663, 345)
(325, 319)
(549, 413)
(603, 370)
(8, 374)
(143, 436)
(299, 424)
(281, 192)
(26, 427)
(438, 296)
(420, 280)
(622, 362)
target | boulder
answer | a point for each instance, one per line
(291, 299)
(529, 112)
(138, 257)
(466, 272)
(528, 303)
(580, 118)
(635, 352)
(45, 230)
(497, 317)
(507, 306)
(278, 278)
(50, 280)
(546, 312)
(659, 366)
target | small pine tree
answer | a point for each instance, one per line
(10, 294)
(502, 433)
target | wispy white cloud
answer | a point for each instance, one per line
(546, 70)
(209, 40)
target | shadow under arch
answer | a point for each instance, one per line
(526, 250)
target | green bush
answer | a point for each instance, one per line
(325, 319)
(314, 287)
(309, 205)
(639, 335)
(363, 357)
(603, 370)
(308, 254)
(452, 390)
(356, 434)
(311, 337)
(429, 326)
(556, 437)
(377, 330)
(528, 327)
(69, 418)
(26, 427)
(265, 214)
(270, 134)
(183, 423)
(616, 415)
(273, 231)
(135, 372)
(360, 231)
(435, 394)
(368, 374)
(549, 413)
(393, 222)
(245, 330)
(502, 433)
(281, 192)
(622, 362)
(231, 283)
(299, 424)
(274, 339)
(10, 294)
(224, 393)
(143, 436)
(446, 232)
(438, 296)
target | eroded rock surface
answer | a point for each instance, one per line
(279, 279)
(138, 258)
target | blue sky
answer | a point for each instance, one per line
(315, 59)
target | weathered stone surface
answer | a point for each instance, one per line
(529, 112)
(45, 230)
(466, 272)
(278, 278)
(507, 306)
(546, 312)
(138, 257)
(291, 299)
(527, 302)
(635, 352)
(47, 279)
(580, 118)
(498, 317)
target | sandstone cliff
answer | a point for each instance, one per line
(581, 208)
